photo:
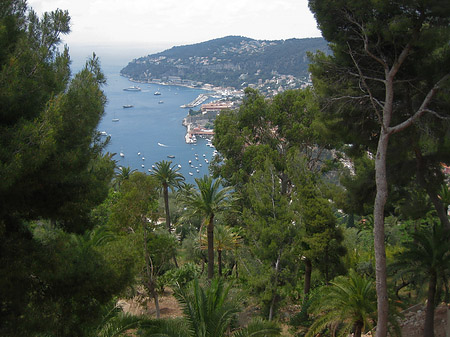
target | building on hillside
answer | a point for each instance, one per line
(216, 107)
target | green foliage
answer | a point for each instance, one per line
(425, 255)
(179, 276)
(137, 201)
(349, 303)
(209, 312)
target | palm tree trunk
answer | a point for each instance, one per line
(210, 235)
(166, 206)
(428, 330)
(308, 272)
(358, 329)
(219, 261)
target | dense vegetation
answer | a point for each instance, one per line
(228, 61)
(281, 233)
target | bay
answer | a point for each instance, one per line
(150, 122)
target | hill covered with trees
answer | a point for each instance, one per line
(234, 61)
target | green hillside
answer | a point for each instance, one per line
(230, 61)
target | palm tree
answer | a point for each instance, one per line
(123, 174)
(115, 322)
(208, 313)
(428, 255)
(169, 177)
(225, 238)
(347, 304)
(207, 201)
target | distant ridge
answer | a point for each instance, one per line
(232, 61)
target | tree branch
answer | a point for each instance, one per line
(372, 98)
(423, 107)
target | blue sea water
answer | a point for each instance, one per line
(139, 129)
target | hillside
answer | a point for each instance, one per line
(232, 61)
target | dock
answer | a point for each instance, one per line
(199, 100)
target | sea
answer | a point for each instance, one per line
(152, 129)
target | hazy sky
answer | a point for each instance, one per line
(156, 24)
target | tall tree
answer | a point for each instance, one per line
(209, 199)
(136, 210)
(390, 65)
(169, 177)
(51, 164)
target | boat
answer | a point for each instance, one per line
(139, 153)
(143, 158)
(179, 166)
(190, 162)
(170, 156)
(160, 102)
(191, 174)
(157, 93)
(142, 165)
(132, 88)
(103, 133)
(122, 154)
(127, 106)
(161, 144)
(198, 171)
(115, 119)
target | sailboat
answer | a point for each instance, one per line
(115, 119)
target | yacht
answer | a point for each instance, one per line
(132, 88)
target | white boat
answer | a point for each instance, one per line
(142, 165)
(143, 158)
(161, 144)
(191, 174)
(160, 102)
(115, 119)
(121, 154)
(190, 161)
(139, 153)
(179, 166)
(132, 88)
(198, 171)
(127, 106)
(103, 133)
(157, 93)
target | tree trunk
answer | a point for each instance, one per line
(219, 261)
(428, 330)
(150, 279)
(378, 231)
(274, 292)
(166, 206)
(210, 235)
(358, 329)
(308, 272)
